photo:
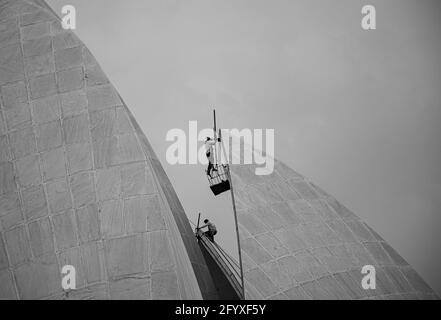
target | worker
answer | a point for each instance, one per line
(210, 156)
(211, 229)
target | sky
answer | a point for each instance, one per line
(357, 112)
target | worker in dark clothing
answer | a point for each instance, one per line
(211, 230)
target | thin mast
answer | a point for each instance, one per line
(215, 139)
(199, 219)
(235, 217)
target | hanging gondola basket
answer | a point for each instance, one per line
(219, 181)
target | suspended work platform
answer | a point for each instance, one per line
(219, 181)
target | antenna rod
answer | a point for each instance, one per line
(235, 216)
(237, 232)
(199, 218)
(215, 139)
(214, 116)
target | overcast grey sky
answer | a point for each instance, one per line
(358, 112)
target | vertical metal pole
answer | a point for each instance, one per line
(237, 232)
(215, 138)
(214, 117)
(199, 218)
(222, 147)
(235, 219)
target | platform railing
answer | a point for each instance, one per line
(227, 264)
(218, 176)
